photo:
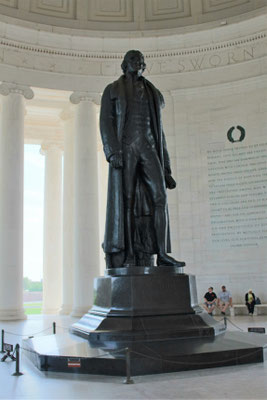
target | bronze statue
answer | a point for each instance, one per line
(137, 222)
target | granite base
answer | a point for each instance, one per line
(69, 353)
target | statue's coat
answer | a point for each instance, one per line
(112, 121)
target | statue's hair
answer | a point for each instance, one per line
(124, 63)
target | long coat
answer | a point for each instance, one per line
(112, 121)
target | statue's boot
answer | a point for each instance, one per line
(129, 250)
(164, 260)
(160, 223)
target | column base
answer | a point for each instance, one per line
(12, 315)
(79, 311)
(65, 310)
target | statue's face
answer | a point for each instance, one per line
(135, 63)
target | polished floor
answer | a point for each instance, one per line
(242, 382)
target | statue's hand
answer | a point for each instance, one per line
(170, 182)
(116, 160)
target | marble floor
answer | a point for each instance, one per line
(241, 382)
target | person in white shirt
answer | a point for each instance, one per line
(224, 300)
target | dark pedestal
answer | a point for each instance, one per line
(152, 312)
(145, 303)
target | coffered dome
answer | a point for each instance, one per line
(129, 15)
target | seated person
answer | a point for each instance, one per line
(210, 299)
(224, 300)
(250, 301)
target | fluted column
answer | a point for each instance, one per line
(52, 258)
(11, 200)
(86, 236)
(68, 181)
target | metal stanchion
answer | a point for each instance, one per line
(8, 348)
(128, 378)
(225, 322)
(2, 341)
(17, 372)
(54, 328)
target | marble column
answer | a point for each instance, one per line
(102, 194)
(68, 182)
(86, 230)
(11, 200)
(52, 257)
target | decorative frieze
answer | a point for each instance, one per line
(64, 61)
(248, 40)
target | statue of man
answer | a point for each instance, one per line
(137, 223)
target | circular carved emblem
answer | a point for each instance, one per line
(234, 136)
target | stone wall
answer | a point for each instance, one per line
(222, 186)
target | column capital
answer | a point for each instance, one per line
(50, 146)
(6, 88)
(77, 97)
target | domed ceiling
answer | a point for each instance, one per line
(130, 15)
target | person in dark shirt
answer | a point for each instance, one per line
(210, 299)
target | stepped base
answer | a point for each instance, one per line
(153, 312)
(145, 303)
(69, 353)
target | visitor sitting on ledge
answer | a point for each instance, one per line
(224, 300)
(250, 301)
(210, 299)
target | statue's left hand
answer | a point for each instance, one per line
(170, 182)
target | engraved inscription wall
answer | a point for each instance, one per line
(237, 178)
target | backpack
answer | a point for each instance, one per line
(257, 300)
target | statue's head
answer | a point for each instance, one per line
(133, 62)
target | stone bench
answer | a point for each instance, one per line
(241, 309)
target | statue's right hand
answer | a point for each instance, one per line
(116, 160)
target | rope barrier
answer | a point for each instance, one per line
(150, 334)
(144, 328)
(18, 334)
(194, 363)
(236, 326)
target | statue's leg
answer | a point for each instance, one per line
(129, 250)
(160, 224)
(129, 184)
(155, 182)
